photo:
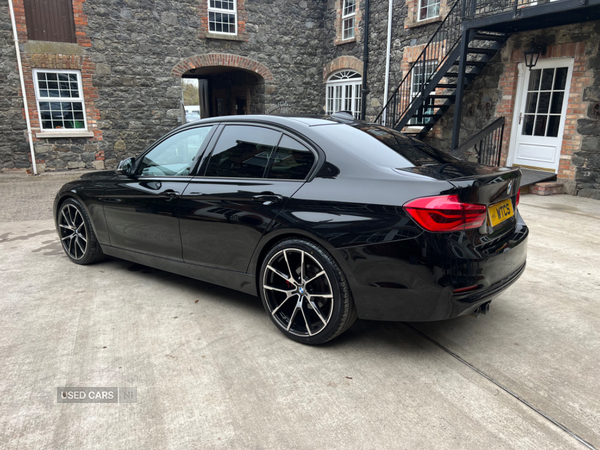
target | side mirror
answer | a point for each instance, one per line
(126, 166)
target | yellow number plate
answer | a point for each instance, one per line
(500, 212)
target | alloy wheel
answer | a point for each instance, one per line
(73, 232)
(298, 292)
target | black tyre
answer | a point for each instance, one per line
(305, 292)
(76, 233)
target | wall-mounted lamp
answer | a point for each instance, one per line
(532, 55)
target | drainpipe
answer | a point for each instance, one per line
(363, 105)
(18, 51)
(387, 59)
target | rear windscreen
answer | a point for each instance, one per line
(385, 147)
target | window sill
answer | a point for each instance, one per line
(347, 41)
(225, 37)
(413, 128)
(63, 134)
(421, 23)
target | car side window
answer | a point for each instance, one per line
(291, 161)
(242, 152)
(174, 156)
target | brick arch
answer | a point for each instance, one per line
(343, 62)
(221, 59)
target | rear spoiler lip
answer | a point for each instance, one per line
(437, 172)
(488, 189)
(513, 171)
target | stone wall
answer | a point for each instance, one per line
(129, 53)
(130, 50)
(405, 33)
(138, 46)
(587, 158)
(14, 150)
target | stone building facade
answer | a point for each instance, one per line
(494, 93)
(131, 57)
(279, 56)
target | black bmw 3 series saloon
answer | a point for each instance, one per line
(326, 219)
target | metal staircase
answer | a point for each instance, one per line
(466, 40)
(434, 80)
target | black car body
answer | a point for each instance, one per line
(353, 190)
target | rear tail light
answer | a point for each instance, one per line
(518, 197)
(446, 213)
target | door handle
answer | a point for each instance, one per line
(169, 194)
(267, 198)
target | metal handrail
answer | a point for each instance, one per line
(473, 8)
(441, 44)
(487, 144)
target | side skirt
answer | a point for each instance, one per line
(234, 280)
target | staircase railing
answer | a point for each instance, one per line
(480, 8)
(487, 144)
(441, 44)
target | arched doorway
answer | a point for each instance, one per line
(222, 85)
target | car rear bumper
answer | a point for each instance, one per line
(389, 305)
(395, 284)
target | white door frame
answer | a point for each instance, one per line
(521, 89)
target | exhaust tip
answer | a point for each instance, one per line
(482, 309)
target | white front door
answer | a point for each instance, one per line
(541, 114)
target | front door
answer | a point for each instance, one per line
(542, 113)
(141, 210)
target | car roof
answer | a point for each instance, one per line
(290, 121)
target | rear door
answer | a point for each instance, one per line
(249, 176)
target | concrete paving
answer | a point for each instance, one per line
(25, 197)
(211, 371)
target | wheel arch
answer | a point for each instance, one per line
(71, 195)
(268, 241)
(60, 199)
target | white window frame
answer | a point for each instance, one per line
(423, 70)
(343, 92)
(80, 99)
(232, 12)
(429, 5)
(350, 16)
